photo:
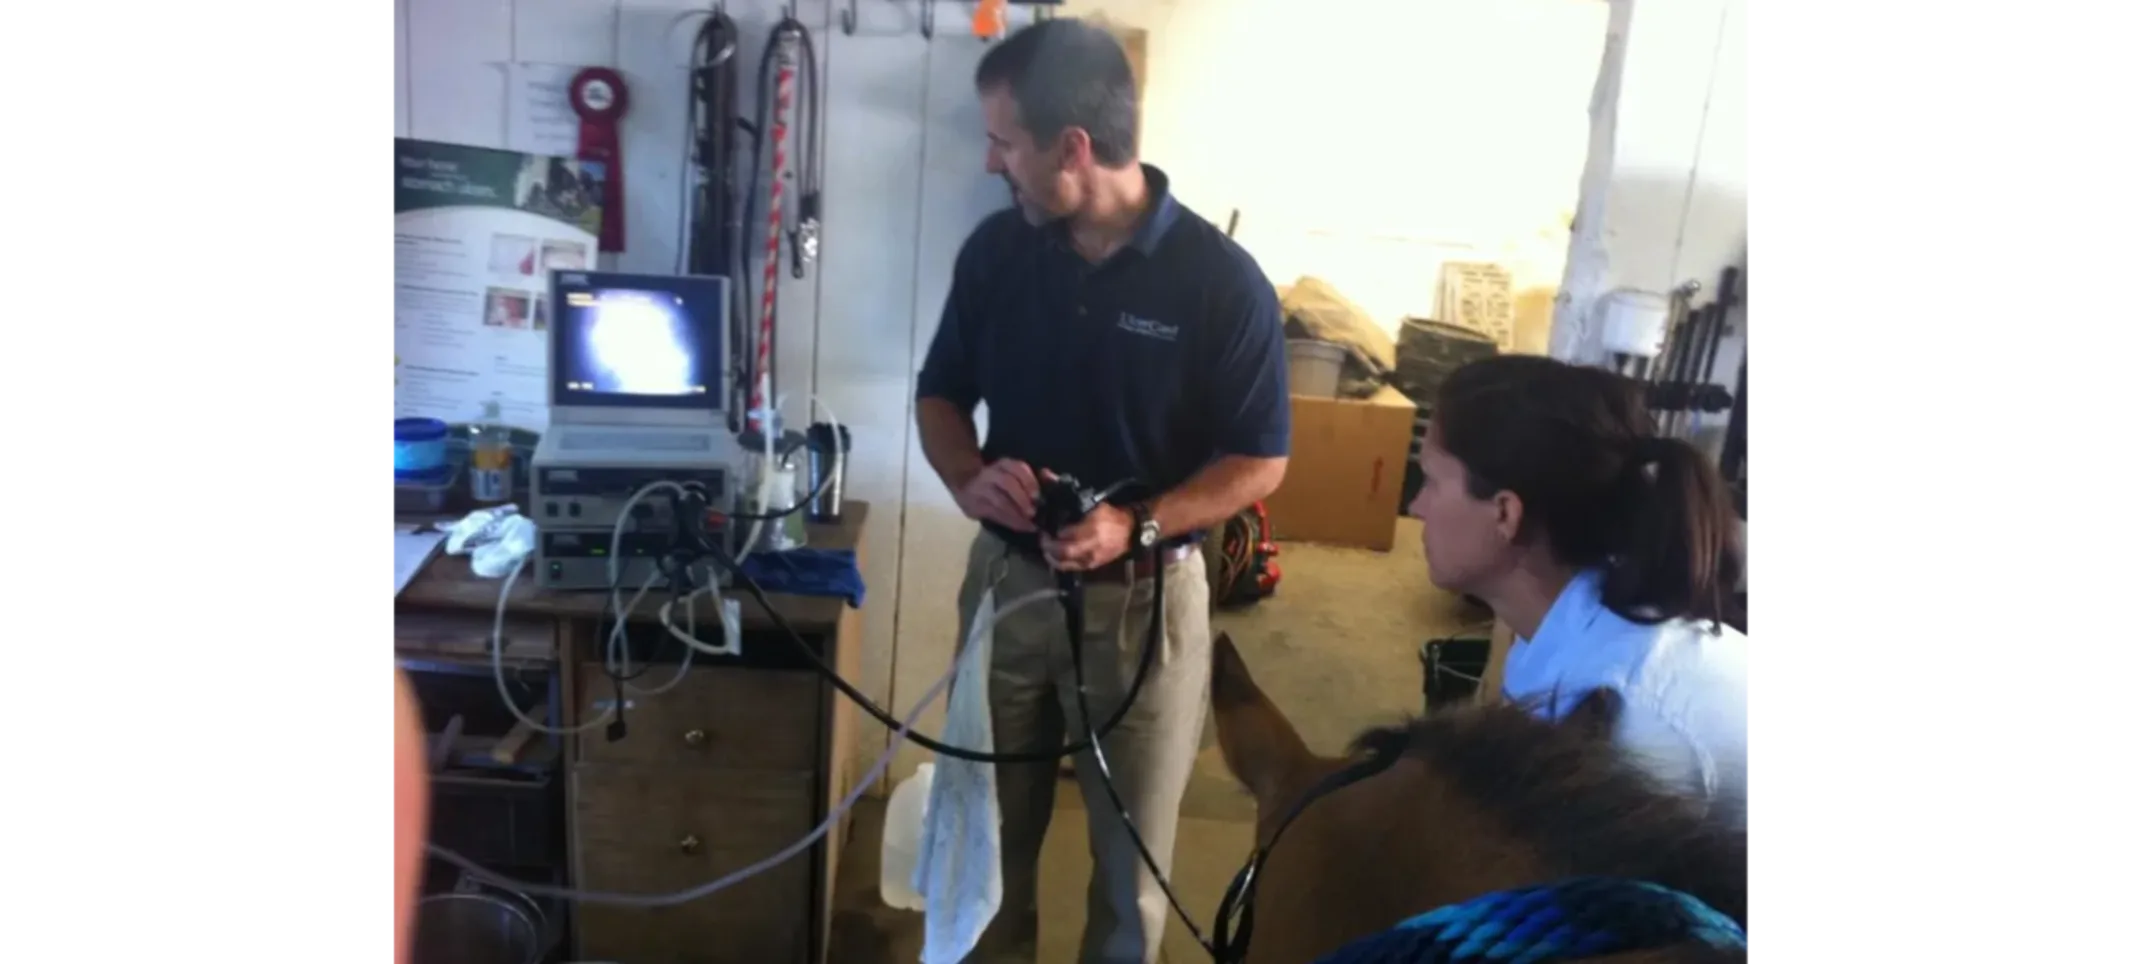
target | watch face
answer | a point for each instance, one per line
(1147, 534)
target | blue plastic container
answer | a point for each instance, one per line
(419, 447)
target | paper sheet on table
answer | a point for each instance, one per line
(538, 110)
(411, 551)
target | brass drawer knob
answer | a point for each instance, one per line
(695, 738)
(688, 845)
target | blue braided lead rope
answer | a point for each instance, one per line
(1563, 921)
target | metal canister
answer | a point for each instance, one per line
(478, 926)
(826, 479)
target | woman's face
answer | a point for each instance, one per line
(1464, 538)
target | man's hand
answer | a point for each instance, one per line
(1002, 492)
(1101, 538)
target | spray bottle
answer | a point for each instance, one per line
(490, 459)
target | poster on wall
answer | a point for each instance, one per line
(477, 232)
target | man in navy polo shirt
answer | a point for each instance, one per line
(1119, 338)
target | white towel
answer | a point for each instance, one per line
(960, 873)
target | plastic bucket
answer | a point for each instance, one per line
(903, 820)
(1312, 367)
(1452, 669)
(419, 447)
(477, 928)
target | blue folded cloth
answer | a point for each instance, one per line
(807, 572)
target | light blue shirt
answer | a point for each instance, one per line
(1684, 684)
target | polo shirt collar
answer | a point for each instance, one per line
(1160, 213)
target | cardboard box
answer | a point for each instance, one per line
(1346, 474)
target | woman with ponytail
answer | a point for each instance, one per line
(1609, 550)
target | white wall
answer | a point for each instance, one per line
(1674, 194)
(1374, 140)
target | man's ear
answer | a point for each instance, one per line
(1074, 146)
(1596, 713)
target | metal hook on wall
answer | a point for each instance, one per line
(928, 19)
(847, 18)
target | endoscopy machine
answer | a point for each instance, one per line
(638, 395)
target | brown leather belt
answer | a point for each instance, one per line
(1118, 570)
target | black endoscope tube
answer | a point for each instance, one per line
(1073, 588)
(869, 706)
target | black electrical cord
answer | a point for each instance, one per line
(810, 167)
(710, 119)
(617, 728)
(1074, 616)
(675, 566)
(715, 243)
(1235, 920)
(1072, 587)
(677, 569)
(794, 638)
(809, 161)
(770, 516)
(698, 543)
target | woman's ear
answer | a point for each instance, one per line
(1508, 515)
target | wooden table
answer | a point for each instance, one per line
(743, 756)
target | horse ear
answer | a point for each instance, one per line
(1259, 743)
(1226, 666)
(1596, 713)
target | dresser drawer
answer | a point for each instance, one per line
(689, 934)
(715, 718)
(642, 832)
(634, 806)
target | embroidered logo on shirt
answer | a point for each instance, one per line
(1148, 328)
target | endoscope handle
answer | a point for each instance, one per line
(1063, 502)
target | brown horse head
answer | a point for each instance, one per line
(1479, 799)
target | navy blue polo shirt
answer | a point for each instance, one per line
(1144, 368)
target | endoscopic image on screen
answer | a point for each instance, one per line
(630, 343)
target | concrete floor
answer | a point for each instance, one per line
(1337, 648)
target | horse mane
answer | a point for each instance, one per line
(1578, 798)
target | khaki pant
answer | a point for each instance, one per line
(1033, 700)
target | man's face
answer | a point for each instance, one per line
(1038, 176)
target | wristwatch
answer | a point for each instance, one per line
(1146, 533)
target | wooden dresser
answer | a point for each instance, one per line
(740, 758)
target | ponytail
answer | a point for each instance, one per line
(1679, 552)
(1578, 446)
